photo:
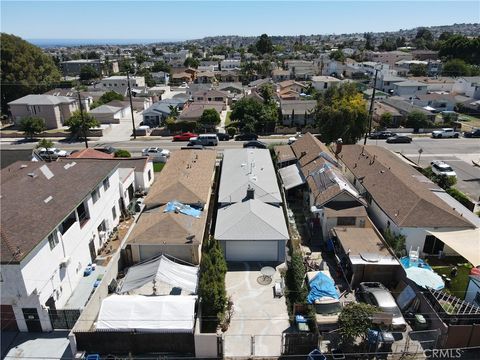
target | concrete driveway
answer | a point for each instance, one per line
(259, 318)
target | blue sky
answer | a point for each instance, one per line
(196, 19)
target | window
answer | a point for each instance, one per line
(95, 195)
(149, 175)
(82, 212)
(106, 184)
(346, 221)
(114, 212)
(67, 223)
(53, 239)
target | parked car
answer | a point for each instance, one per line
(208, 139)
(184, 136)
(399, 139)
(156, 154)
(374, 293)
(194, 141)
(441, 168)
(382, 135)
(106, 150)
(445, 133)
(246, 137)
(223, 136)
(291, 140)
(472, 134)
(255, 144)
(52, 153)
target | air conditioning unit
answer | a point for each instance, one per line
(64, 262)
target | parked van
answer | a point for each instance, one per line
(208, 139)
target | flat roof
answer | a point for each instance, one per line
(358, 241)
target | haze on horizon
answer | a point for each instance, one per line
(193, 20)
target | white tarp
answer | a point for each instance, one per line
(147, 313)
(291, 176)
(161, 270)
(464, 242)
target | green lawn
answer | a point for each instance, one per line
(157, 167)
(227, 118)
(458, 286)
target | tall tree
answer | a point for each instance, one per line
(31, 126)
(417, 120)
(209, 118)
(456, 67)
(264, 44)
(88, 72)
(25, 70)
(79, 126)
(418, 70)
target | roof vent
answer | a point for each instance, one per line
(32, 175)
(250, 193)
(48, 199)
(23, 166)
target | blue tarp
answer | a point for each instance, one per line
(320, 286)
(175, 206)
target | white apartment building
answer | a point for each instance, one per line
(230, 64)
(119, 83)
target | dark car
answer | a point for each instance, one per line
(223, 136)
(106, 150)
(399, 139)
(246, 137)
(255, 144)
(381, 135)
(472, 134)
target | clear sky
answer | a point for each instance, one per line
(195, 19)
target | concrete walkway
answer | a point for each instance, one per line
(36, 346)
(259, 319)
(223, 117)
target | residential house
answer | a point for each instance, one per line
(440, 102)
(250, 223)
(385, 82)
(425, 54)
(388, 57)
(279, 75)
(205, 77)
(301, 69)
(194, 110)
(160, 77)
(401, 199)
(380, 108)
(468, 86)
(290, 90)
(229, 75)
(74, 67)
(187, 178)
(322, 83)
(284, 156)
(230, 64)
(439, 83)
(405, 108)
(109, 114)
(54, 110)
(298, 112)
(46, 250)
(156, 114)
(210, 96)
(119, 83)
(178, 78)
(409, 89)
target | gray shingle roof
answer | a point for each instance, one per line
(42, 100)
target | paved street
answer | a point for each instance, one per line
(458, 153)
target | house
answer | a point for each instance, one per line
(425, 54)
(438, 83)
(284, 156)
(194, 110)
(119, 83)
(181, 77)
(46, 250)
(301, 69)
(54, 110)
(381, 108)
(163, 227)
(440, 102)
(160, 77)
(405, 108)
(229, 75)
(409, 89)
(322, 83)
(250, 223)
(210, 96)
(230, 64)
(9, 156)
(74, 67)
(279, 75)
(109, 114)
(298, 112)
(388, 57)
(385, 82)
(156, 114)
(205, 77)
(401, 199)
(468, 86)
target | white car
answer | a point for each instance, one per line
(157, 154)
(440, 168)
(52, 153)
(445, 133)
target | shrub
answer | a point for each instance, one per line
(354, 321)
(122, 153)
(231, 131)
(396, 242)
(32, 125)
(45, 143)
(460, 197)
(295, 279)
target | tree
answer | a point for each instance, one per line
(338, 55)
(354, 321)
(267, 92)
(162, 66)
(88, 72)
(209, 118)
(417, 120)
(106, 98)
(120, 153)
(423, 39)
(456, 67)
(25, 69)
(93, 55)
(32, 125)
(44, 143)
(369, 41)
(174, 113)
(386, 120)
(264, 45)
(418, 70)
(254, 116)
(191, 62)
(341, 113)
(79, 126)
(460, 47)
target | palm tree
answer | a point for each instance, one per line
(174, 111)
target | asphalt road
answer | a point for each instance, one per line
(458, 153)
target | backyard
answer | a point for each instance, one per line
(157, 167)
(458, 284)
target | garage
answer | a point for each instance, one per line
(254, 250)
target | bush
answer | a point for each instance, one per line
(445, 182)
(396, 242)
(460, 197)
(231, 131)
(295, 280)
(31, 126)
(45, 143)
(354, 321)
(122, 153)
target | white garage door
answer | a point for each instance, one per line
(251, 250)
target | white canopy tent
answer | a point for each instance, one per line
(169, 313)
(465, 242)
(161, 269)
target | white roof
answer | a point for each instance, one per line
(325, 79)
(147, 313)
(105, 109)
(291, 176)
(251, 220)
(42, 100)
(242, 168)
(464, 242)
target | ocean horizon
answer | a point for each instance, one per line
(46, 43)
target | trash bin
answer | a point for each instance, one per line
(387, 340)
(420, 322)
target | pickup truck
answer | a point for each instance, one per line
(445, 133)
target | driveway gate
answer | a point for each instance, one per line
(63, 319)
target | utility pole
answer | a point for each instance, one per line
(370, 112)
(131, 105)
(83, 119)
